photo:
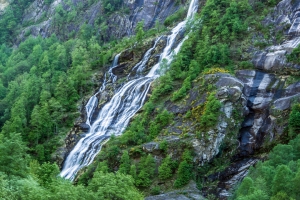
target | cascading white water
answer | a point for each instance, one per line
(93, 101)
(115, 115)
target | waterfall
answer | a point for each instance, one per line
(93, 101)
(114, 117)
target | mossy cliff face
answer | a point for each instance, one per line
(42, 19)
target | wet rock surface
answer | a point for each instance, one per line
(232, 175)
(267, 102)
(265, 94)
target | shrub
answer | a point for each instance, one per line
(180, 14)
(211, 112)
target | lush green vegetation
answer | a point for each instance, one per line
(41, 82)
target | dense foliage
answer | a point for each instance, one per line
(41, 82)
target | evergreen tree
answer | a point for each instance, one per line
(125, 163)
(164, 170)
(13, 159)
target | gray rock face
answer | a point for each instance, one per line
(150, 147)
(229, 93)
(232, 175)
(150, 11)
(40, 17)
(265, 96)
(285, 18)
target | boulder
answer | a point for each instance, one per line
(150, 147)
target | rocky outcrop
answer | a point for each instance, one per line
(285, 18)
(267, 103)
(229, 93)
(150, 11)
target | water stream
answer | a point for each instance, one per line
(115, 115)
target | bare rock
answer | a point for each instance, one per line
(190, 192)
(150, 147)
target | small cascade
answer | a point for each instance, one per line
(93, 101)
(139, 67)
(115, 115)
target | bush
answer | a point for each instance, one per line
(211, 112)
(163, 146)
(180, 14)
(161, 120)
(183, 90)
(184, 174)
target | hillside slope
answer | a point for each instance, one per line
(229, 96)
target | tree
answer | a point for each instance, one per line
(114, 186)
(281, 154)
(246, 187)
(133, 171)
(294, 121)
(184, 173)
(140, 31)
(147, 170)
(282, 180)
(164, 170)
(47, 173)
(125, 163)
(13, 159)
